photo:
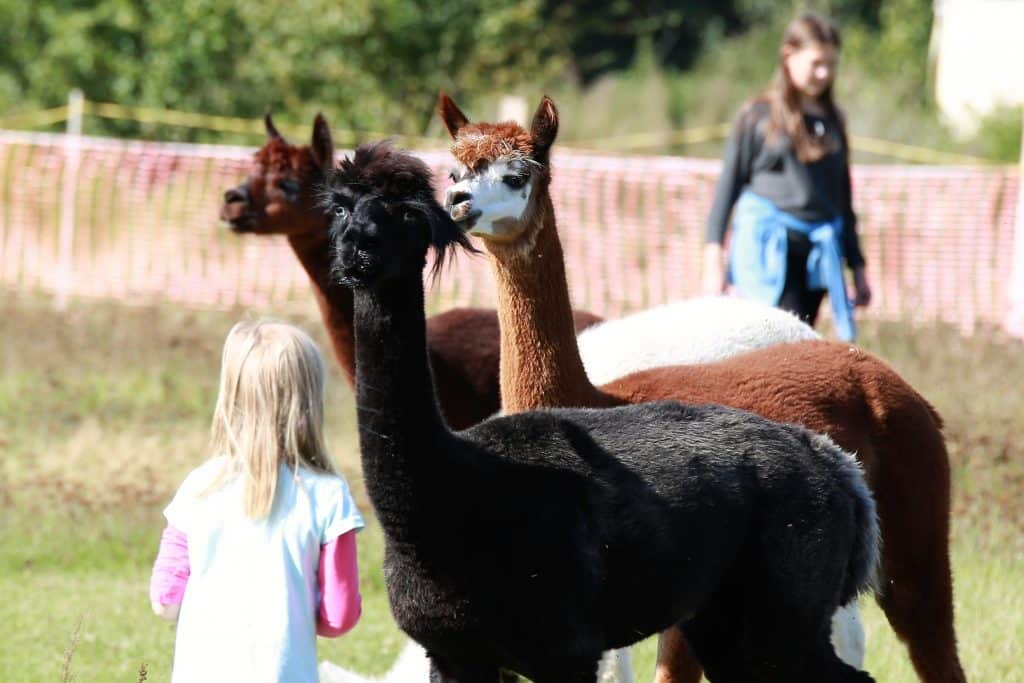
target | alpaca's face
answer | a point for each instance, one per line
(492, 201)
(279, 195)
(275, 198)
(500, 173)
(384, 217)
(374, 240)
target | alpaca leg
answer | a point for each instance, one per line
(916, 585)
(795, 648)
(442, 671)
(825, 665)
(676, 663)
(576, 670)
(714, 640)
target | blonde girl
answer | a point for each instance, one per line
(259, 554)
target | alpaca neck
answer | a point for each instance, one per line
(540, 361)
(402, 435)
(335, 302)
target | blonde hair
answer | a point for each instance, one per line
(270, 410)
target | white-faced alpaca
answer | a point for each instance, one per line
(501, 193)
(745, 532)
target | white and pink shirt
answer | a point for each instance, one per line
(254, 594)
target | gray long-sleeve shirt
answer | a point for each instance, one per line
(817, 191)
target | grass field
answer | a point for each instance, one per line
(105, 408)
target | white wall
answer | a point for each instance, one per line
(978, 47)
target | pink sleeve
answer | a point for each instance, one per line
(170, 570)
(338, 577)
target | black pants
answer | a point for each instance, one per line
(796, 298)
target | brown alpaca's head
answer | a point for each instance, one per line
(279, 196)
(501, 174)
(384, 218)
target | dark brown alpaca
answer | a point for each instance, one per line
(501, 194)
(280, 197)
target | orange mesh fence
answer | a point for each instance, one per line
(938, 240)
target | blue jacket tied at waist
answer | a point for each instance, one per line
(757, 257)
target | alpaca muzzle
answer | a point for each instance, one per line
(235, 209)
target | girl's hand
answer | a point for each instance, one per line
(168, 612)
(861, 287)
(713, 280)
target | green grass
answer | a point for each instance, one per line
(105, 408)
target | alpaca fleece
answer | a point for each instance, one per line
(833, 388)
(622, 522)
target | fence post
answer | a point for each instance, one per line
(1014, 323)
(69, 184)
(512, 108)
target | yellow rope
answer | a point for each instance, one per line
(35, 119)
(621, 143)
(686, 136)
(231, 124)
(922, 155)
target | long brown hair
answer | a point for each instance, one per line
(782, 97)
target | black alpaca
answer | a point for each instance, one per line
(531, 543)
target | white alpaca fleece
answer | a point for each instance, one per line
(412, 665)
(699, 330)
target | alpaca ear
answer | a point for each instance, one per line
(268, 123)
(322, 146)
(544, 128)
(450, 114)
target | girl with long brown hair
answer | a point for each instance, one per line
(786, 181)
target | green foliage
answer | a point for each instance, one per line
(607, 36)
(999, 134)
(375, 66)
(371, 65)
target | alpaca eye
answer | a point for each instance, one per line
(289, 187)
(454, 178)
(514, 181)
(340, 211)
(409, 216)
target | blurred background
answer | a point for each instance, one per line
(123, 122)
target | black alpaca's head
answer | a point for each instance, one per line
(384, 217)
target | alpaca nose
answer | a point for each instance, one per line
(236, 194)
(455, 197)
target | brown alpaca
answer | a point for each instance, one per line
(280, 197)
(501, 194)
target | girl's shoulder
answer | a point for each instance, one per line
(325, 486)
(320, 478)
(753, 111)
(334, 505)
(202, 476)
(752, 118)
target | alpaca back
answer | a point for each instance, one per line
(699, 330)
(658, 456)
